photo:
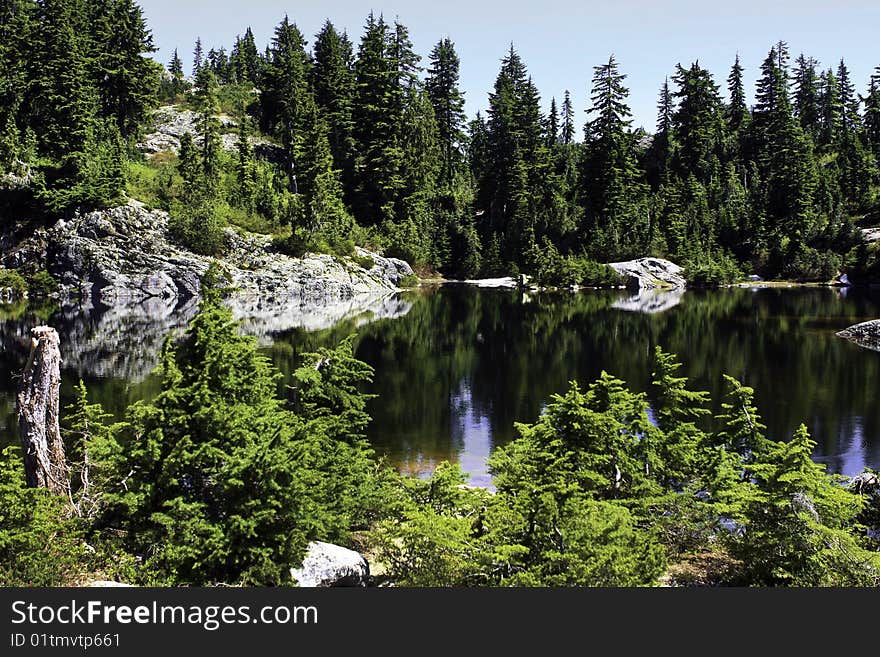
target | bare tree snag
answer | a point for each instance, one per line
(45, 464)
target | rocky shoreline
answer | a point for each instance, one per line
(122, 256)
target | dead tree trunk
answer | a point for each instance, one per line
(44, 461)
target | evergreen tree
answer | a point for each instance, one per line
(797, 521)
(226, 485)
(286, 95)
(333, 80)
(806, 96)
(208, 106)
(244, 60)
(377, 122)
(698, 124)
(872, 114)
(784, 159)
(175, 68)
(567, 134)
(127, 81)
(737, 113)
(448, 102)
(198, 56)
(552, 125)
(611, 187)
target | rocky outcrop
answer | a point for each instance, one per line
(327, 565)
(650, 274)
(123, 256)
(866, 334)
(124, 286)
(171, 122)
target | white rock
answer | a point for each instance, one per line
(328, 565)
(650, 273)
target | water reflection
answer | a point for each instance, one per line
(456, 366)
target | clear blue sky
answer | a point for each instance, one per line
(560, 40)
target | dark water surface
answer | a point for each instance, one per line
(463, 364)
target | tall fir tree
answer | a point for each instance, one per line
(448, 102)
(612, 189)
(198, 57)
(806, 96)
(567, 134)
(286, 95)
(127, 81)
(333, 80)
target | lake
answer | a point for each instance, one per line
(457, 365)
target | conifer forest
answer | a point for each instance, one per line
(350, 150)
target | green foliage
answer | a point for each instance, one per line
(9, 278)
(215, 480)
(798, 523)
(198, 226)
(42, 284)
(39, 546)
(555, 270)
(410, 280)
(712, 271)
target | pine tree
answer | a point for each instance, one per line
(448, 102)
(806, 96)
(849, 101)
(325, 213)
(197, 57)
(333, 80)
(552, 124)
(698, 124)
(286, 95)
(611, 186)
(737, 113)
(797, 522)
(244, 60)
(63, 99)
(830, 110)
(228, 485)
(567, 134)
(246, 167)
(784, 159)
(178, 84)
(126, 80)
(377, 123)
(872, 114)
(208, 107)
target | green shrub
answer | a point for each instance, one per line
(42, 285)
(809, 264)
(410, 280)
(364, 261)
(38, 545)
(198, 227)
(721, 269)
(12, 279)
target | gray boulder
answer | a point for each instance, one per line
(650, 274)
(327, 565)
(865, 334)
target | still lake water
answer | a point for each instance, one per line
(456, 366)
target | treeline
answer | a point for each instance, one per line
(372, 146)
(219, 480)
(75, 92)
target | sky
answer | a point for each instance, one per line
(560, 41)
